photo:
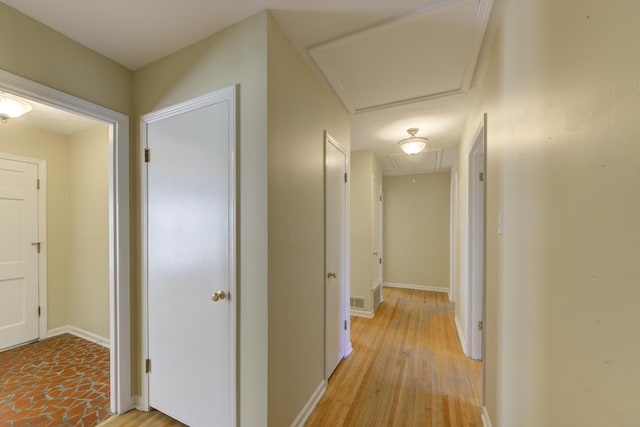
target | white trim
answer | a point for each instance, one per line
(304, 415)
(453, 235)
(362, 313)
(417, 287)
(136, 402)
(463, 339)
(486, 420)
(119, 273)
(226, 94)
(81, 333)
(42, 234)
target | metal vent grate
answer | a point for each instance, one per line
(357, 302)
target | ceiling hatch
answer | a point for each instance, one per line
(426, 54)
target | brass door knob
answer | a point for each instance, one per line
(332, 275)
(216, 296)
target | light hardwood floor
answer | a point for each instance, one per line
(407, 369)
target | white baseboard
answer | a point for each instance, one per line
(486, 421)
(89, 336)
(349, 350)
(361, 313)
(310, 406)
(417, 287)
(137, 402)
(461, 336)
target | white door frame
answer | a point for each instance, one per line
(229, 94)
(346, 337)
(476, 245)
(42, 233)
(119, 273)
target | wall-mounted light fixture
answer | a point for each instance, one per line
(414, 144)
(12, 107)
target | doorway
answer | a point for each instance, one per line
(118, 219)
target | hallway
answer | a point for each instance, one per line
(407, 369)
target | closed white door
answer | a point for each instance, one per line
(377, 233)
(190, 261)
(335, 229)
(18, 257)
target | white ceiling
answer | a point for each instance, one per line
(396, 64)
(54, 120)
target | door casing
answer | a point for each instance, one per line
(119, 261)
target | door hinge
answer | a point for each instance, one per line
(380, 198)
(345, 325)
(37, 245)
(481, 176)
(39, 311)
(147, 366)
(480, 325)
(380, 260)
(147, 155)
(38, 184)
(345, 177)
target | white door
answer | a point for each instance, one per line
(18, 257)
(477, 245)
(377, 233)
(335, 229)
(190, 260)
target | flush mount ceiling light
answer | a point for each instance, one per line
(414, 144)
(12, 107)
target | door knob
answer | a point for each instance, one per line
(216, 296)
(332, 275)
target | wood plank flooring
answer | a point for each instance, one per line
(407, 369)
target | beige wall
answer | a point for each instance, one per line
(38, 53)
(21, 140)
(416, 229)
(88, 216)
(364, 167)
(77, 221)
(236, 55)
(300, 109)
(562, 98)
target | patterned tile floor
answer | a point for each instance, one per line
(60, 381)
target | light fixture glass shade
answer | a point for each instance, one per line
(413, 147)
(11, 107)
(414, 144)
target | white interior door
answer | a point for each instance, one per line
(377, 233)
(476, 246)
(18, 257)
(335, 229)
(190, 261)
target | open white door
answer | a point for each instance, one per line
(336, 243)
(190, 246)
(19, 249)
(476, 245)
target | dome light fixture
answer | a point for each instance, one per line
(12, 107)
(414, 144)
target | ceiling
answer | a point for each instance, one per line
(394, 64)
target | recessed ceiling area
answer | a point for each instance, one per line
(429, 53)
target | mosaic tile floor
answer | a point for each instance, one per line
(60, 381)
